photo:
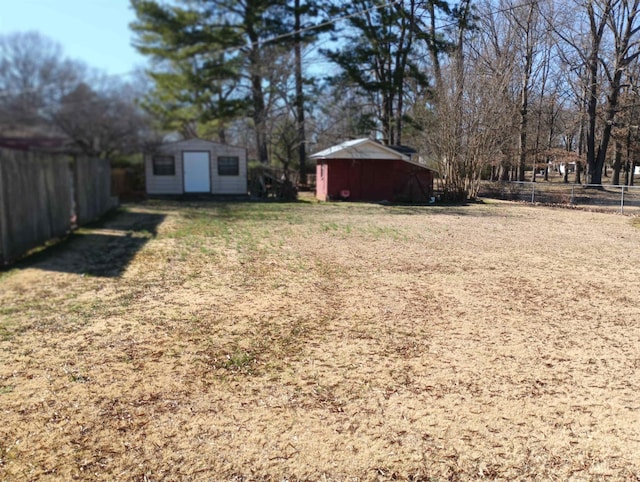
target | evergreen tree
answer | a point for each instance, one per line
(196, 72)
(381, 55)
(301, 10)
(208, 54)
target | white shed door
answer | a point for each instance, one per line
(197, 175)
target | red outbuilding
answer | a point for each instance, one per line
(365, 170)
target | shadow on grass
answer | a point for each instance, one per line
(104, 248)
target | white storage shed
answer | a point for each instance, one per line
(196, 166)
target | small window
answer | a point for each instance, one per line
(228, 166)
(164, 166)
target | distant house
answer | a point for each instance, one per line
(196, 166)
(566, 167)
(365, 170)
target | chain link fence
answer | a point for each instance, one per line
(601, 197)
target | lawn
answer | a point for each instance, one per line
(304, 341)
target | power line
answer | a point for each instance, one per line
(314, 27)
(257, 43)
(349, 16)
(390, 3)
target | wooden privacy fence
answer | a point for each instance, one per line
(40, 193)
(92, 185)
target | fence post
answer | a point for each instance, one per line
(533, 192)
(622, 200)
(573, 199)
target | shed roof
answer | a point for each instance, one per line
(360, 149)
(404, 149)
(368, 149)
(187, 143)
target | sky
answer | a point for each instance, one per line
(93, 31)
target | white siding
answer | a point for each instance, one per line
(219, 184)
(164, 184)
(230, 184)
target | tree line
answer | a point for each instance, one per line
(484, 89)
(43, 93)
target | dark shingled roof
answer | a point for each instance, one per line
(406, 150)
(34, 143)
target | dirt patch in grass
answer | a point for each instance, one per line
(326, 342)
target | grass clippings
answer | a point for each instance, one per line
(210, 341)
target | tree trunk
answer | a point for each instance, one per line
(222, 135)
(302, 153)
(617, 165)
(595, 176)
(505, 171)
(386, 120)
(581, 134)
(592, 112)
(578, 173)
(597, 26)
(524, 107)
(627, 166)
(434, 50)
(533, 172)
(257, 94)
(259, 118)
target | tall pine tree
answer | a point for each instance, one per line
(208, 54)
(381, 55)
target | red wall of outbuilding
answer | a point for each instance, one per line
(373, 180)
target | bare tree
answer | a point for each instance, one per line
(344, 114)
(525, 21)
(626, 134)
(608, 46)
(495, 58)
(381, 53)
(34, 77)
(103, 121)
(624, 23)
(473, 107)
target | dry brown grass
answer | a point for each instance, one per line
(326, 342)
